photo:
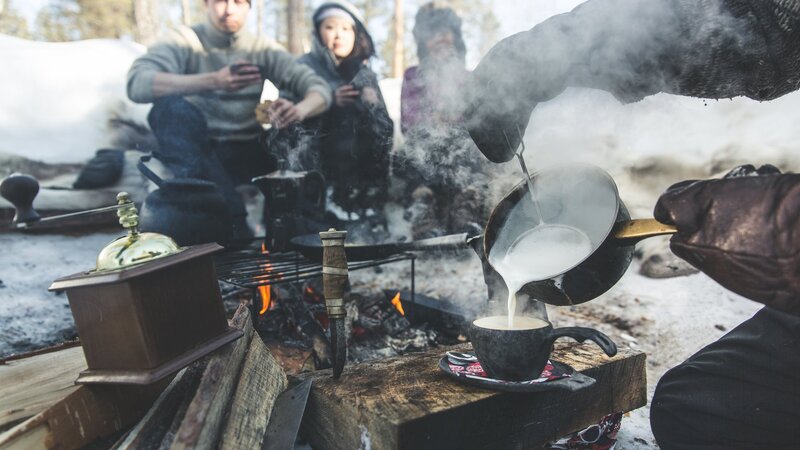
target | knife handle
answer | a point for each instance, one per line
(334, 272)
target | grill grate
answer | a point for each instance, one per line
(253, 268)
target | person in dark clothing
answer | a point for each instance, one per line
(354, 138)
(204, 83)
(444, 180)
(743, 391)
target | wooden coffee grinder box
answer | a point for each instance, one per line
(148, 309)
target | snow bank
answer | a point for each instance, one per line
(57, 97)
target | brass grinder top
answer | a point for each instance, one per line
(135, 247)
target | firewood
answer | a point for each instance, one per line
(407, 403)
(31, 384)
(202, 422)
(88, 413)
(261, 382)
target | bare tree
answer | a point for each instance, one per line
(144, 13)
(186, 9)
(295, 26)
(259, 5)
(398, 31)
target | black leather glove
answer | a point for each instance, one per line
(743, 231)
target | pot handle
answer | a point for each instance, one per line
(581, 334)
(447, 242)
(638, 229)
(146, 170)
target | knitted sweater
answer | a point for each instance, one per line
(202, 49)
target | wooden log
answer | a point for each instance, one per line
(407, 403)
(88, 413)
(261, 382)
(29, 385)
(202, 423)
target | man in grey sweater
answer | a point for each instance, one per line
(204, 83)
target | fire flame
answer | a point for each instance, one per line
(265, 291)
(397, 304)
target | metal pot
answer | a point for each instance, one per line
(191, 211)
(580, 196)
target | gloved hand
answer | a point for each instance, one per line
(743, 231)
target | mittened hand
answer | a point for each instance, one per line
(742, 230)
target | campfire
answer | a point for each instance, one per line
(291, 317)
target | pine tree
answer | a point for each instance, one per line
(12, 23)
(69, 20)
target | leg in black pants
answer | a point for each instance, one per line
(741, 392)
(186, 148)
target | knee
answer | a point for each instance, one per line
(669, 409)
(174, 109)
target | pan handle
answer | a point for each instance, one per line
(638, 229)
(448, 242)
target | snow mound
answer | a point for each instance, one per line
(58, 97)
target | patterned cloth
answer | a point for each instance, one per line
(602, 436)
(472, 369)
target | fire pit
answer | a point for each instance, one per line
(289, 309)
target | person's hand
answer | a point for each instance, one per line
(370, 95)
(346, 95)
(230, 79)
(283, 113)
(743, 231)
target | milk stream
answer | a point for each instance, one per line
(540, 253)
(529, 183)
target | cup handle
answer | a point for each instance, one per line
(581, 334)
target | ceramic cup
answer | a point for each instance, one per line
(520, 353)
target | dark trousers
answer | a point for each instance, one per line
(186, 148)
(740, 392)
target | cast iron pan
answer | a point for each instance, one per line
(310, 246)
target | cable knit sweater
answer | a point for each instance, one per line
(202, 49)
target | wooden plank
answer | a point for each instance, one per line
(407, 403)
(32, 384)
(88, 413)
(261, 382)
(202, 424)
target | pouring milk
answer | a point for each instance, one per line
(538, 254)
(542, 252)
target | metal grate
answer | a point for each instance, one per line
(252, 268)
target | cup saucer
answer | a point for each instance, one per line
(464, 368)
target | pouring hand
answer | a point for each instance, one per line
(743, 231)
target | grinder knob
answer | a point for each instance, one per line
(20, 190)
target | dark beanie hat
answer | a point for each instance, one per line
(432, 18)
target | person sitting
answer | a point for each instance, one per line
(353, 139)
(444, 179)
(204, 82)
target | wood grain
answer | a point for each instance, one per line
(261, 382)
(407, 403)
(31, 385)
(202, 423)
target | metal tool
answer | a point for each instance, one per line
(21, 189)
(334, 279)
(287, 413)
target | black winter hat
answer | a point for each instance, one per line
(432, 18)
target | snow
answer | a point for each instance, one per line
(58, 97)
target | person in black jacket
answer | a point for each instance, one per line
(743, 231)
(354, 138)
